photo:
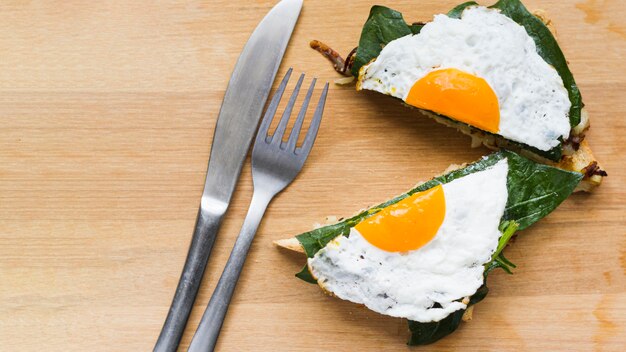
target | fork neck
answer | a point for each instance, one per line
(261, 198)
(266, 186)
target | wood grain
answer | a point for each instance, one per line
(107, 110)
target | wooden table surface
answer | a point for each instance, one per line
(107, 110)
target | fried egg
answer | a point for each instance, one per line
(422, 257)
(483, 70)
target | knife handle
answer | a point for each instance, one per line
(207, 224)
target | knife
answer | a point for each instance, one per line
(239, 116)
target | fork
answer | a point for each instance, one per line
(275, 164)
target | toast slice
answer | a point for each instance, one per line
(533, 191)
(576, 155)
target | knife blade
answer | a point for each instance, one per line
(238, 119)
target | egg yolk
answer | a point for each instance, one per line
(458, 95)
(408, 224)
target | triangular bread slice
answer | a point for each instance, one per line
(576, 155)
(533, 191)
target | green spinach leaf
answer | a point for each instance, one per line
(425, 333)
(458, 9)
(383, 25)
(535, 190)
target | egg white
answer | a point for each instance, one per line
(534, 104)
(445, 271)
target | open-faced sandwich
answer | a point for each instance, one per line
(425, 255)
(495, 73)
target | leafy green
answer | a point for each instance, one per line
(498, 260)
(385, 25)
(458, 9)
(538, 190)
(534, 190)
(425, 333)
(305, 275)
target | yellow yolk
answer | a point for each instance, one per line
(408, 224)
(458, 95)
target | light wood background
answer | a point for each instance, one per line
(107, 110)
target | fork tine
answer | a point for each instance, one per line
(271, 109)
(314, 127)
(277, 136)
(297, 126)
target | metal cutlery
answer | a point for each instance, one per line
(239, 116)
(275, 164)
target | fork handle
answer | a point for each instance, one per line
(208, 331)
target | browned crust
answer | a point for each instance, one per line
(584, 161)
(291, 244)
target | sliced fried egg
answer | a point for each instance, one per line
(483, 70)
